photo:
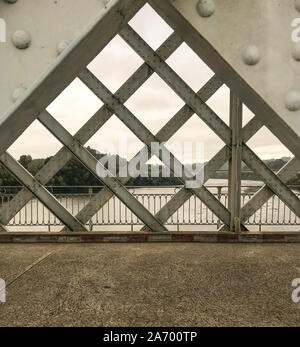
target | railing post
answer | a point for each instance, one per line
(90, 193)
(235, 163)
(219, 198)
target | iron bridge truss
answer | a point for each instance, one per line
(235, 137)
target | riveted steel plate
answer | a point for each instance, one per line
(255, 39)
(41, 30)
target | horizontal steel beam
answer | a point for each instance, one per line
(138, 237)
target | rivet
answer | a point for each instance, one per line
(292, 100)
(17, 93)
(206, 8)
(62, 46)
(251, 55)
(297, 5)
(21, 39)
(296, 52)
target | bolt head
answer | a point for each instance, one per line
(62, 46)
(21, 39)
(10, 1)
(206, 8)
(251, 55)
(292, 101)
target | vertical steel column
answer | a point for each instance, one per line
(235, 163)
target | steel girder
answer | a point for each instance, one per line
(113, 19)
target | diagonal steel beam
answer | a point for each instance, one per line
(57, 162)
(185, 194)
(148, 138)
(167, 131)
(65, 68)
(270, 178)
(165, 72)
(254, 125)
(3, 229)
(227, 73)
(38, 190)
(91, 163)
(182, 89)
(221, 158)
(265, 193)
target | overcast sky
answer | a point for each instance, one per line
(154, 103)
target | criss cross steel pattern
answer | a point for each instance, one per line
(72, 63)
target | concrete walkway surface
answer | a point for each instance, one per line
(182, 284)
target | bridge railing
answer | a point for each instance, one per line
(193, 213)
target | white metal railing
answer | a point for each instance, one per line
(115, 213)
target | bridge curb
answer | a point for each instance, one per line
(197, 237)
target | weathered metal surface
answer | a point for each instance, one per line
(235, 163)
(241, 41)
(182, 89)
(210, 168)
(148, 138)
(265, 193)
(249, 45)
(184, 194)
(180, 118)
(51, 78)
(71, 222)
(37, 33)
(44, 86)
(90, 162)
(273, 181)
(86, 132)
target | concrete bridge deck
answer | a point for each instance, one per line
(149, 284)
